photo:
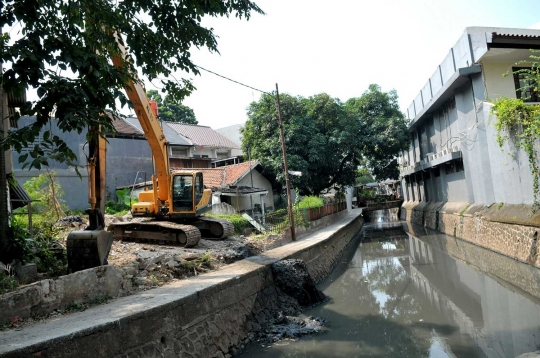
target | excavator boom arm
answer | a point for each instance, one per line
(151, 127)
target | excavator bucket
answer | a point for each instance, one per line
(88, 248)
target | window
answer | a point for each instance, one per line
(183, 193)
(524, 86)
(179, 152)
(198, 188)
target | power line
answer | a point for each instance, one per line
(229, 79)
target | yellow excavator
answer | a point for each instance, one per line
(175, 203)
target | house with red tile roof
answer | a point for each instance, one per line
(240, 185)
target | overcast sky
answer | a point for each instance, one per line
(338, 47)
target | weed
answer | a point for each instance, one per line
(74, 307)
(7, 281)
(239, 222)
(99, 300)
(500, 205)
(463, 210)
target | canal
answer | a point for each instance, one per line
(405, 291)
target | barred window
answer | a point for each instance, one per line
(525, 85)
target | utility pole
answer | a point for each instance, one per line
(289, 199)
(4, 213)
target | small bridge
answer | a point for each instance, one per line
(382, 205)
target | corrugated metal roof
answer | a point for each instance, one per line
(126, 128)
(517, 35)
(17, 195)
(202, 135)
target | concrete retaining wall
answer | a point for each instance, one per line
(211, 315)
(99, 283)
(43, 297)
(511, 230)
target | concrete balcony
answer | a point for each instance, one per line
(431, 161)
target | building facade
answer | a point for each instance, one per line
(453, 154)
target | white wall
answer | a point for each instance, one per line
(495, 84)
(260, 182)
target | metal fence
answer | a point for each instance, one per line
(278, 221)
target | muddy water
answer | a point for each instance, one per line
(407, 292)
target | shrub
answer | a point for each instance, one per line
(47, 193)
(310, 202)
(240, 223)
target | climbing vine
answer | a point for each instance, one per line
(520, 122)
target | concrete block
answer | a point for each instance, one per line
(26, 273)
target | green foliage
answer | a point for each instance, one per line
(326, 139)
(7, 282)
(65, 51)
(171, 110)
(363, 176)
(125, 198)
(381, 131)
(43, 249)
(47, 193)
(74, 307)
(239, 222)
(520, 123)
(367, 194)
(122, 206)
(310, 202)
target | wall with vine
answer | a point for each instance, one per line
(519, 123)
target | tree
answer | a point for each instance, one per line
(327, 139)
(382, 130)
(363, 176)
(65, 52)
(172, 111)
(318, 136)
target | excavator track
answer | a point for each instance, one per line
(161, 231)
(218, 229)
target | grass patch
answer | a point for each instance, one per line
(500, 205)
(310, 202)
(463, 210)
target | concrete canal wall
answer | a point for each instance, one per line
(509, 229)
(210, 315)
(492, 298)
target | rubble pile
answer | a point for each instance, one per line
(296, 291)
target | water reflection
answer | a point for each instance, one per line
(411, 294)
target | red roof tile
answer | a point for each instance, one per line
(202, 135)
(223, 176)
(235, 172)
(212, 177)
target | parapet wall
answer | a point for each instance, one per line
(211, 315)
(511, 230)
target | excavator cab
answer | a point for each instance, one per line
(183, 193)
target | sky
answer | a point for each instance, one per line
(338, 47)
